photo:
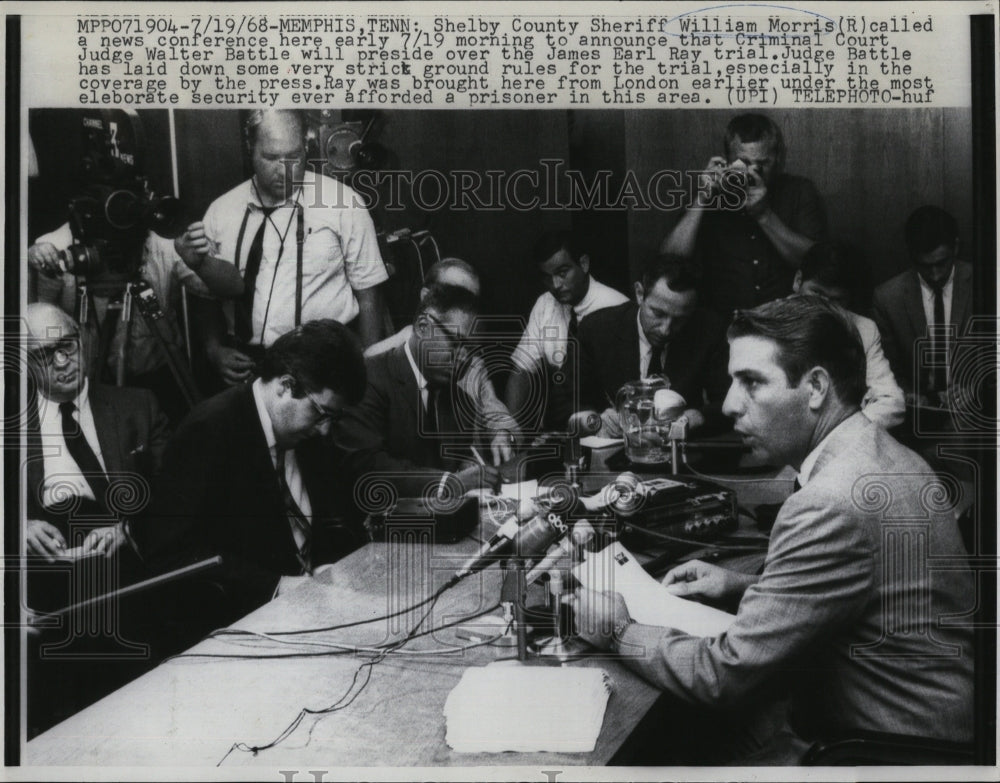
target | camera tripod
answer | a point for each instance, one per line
(123, 302)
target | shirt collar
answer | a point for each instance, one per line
(421, 380)
(929, 292)
(265, 418)
(51, 407)
(805, 472)
(293, 198)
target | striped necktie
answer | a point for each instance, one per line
(296, 518)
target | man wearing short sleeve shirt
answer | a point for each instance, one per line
(257, 227)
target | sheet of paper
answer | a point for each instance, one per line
(615, 569)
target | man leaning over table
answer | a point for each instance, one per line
(830, 618)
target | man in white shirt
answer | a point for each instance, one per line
(828, 270)
(548, 348)
(304, 244)
(930, 301)
(87, 444)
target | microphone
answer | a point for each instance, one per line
(583, 531)
(583, 423)
(496, 544)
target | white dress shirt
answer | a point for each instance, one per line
(62, 476)
(547, 331)
(927, 298)
(293, 477)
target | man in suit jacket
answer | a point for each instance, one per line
(91, 448)
(247, 478)
(663, 332)
(936, 292)
(834, 617)
(415, 417)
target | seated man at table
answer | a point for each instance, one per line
(415, 413)
(245, 476)
(832, 618)
(476, 380)
(664, 332)
(544, 357)
(829, 269)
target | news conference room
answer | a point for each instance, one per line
(483, 438)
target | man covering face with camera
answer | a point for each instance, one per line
(751, 225)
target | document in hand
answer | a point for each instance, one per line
(509, 706)
(615, 569)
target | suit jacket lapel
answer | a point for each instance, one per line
(914, 303)
(402, 376)
(961, 297)
(107, 423)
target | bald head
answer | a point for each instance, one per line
(56, 360)
(277, 150)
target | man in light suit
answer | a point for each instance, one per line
(834, 618)
(936, 292)
(829, 270)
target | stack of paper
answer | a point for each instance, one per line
(506, 706)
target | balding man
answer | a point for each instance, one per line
(82, 438)
(304, 244)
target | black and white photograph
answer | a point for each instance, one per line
(464, 391)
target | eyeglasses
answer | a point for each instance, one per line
(324, 414)
(454, 341)
(60, 353)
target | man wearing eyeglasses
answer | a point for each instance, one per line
(87, 444)
(415, 416)
(249, 477)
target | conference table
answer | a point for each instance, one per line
(197, 710)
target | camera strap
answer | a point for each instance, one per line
(300, 238)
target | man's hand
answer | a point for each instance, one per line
(193, 245)
(757, 204)
(597, 614)
(45, 258)
(696, 579)
(232, 365)
(477, 476)
(502, 447)
(44, 539)
(104, 540)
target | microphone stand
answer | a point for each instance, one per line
(515, 592)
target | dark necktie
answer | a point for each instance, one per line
(431, 424)
(244, 305)
(573, 323)
(655, 361)
(796, 486)
(939, 343)
(84, 455)
(296, 518)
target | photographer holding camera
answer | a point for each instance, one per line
(751, 229)
(166, 265)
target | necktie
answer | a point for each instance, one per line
(296, 518)
(84, 455)
(796, 486)
(939, 344)
(244, 305)
(655, 361)
(573, 323)
(431, 423)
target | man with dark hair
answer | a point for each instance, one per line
(415, 408)
(549, 343)
(830, 270)
(931, 299)
(475, 381)
(832, 619)
(245, 476)
(303, 242)
(664, 332)
(748, 256)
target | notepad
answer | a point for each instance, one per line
(508, 706)
(615, 569)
